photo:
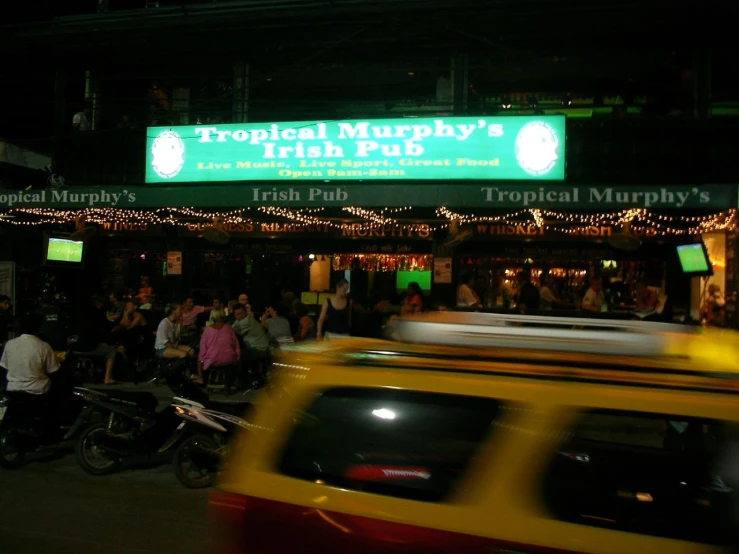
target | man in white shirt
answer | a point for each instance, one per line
(167, 343)
(28, 360)
(594, 298)
(81, 120)
(466, 295)
(546, 294)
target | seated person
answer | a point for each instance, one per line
(594, 299)
(130, 326)
(277, 325)
(146, 304)
(548, 299)
(116, 305)
(466, 295)
(230, 312)
(132, 318)
(28, 360)
(646, 297)
(218, 312)
(218, 347)
(248, 329)
(190, 313)
(253, 337)
(94, 336)
(145, 292)
(167, 344)
(29, 363)
(389, 328)
(413, 300)
(306, 325)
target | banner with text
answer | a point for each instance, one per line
(462, 195)
(470, 148)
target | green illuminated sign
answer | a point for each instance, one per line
(459, 148)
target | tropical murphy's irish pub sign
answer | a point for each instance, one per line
(420, 149)
(460, 162)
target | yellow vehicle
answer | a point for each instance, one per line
(482, 433)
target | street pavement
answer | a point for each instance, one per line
(52, 506)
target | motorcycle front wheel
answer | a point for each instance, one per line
(12, 453)
(195, 461)
(93, 458)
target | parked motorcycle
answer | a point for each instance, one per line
(210, 426)
(29, 423)
(132, 426)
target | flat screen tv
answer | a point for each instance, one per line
(64, 250)
(694, 259)
(423, 278)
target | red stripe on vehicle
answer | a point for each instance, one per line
(251, 525)
(387, 473)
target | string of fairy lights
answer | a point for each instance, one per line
(538, 218)
(374, 217)
(642, 221)
(446, 213)
(371, 219)
(645, 223)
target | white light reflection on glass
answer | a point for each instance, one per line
(384, 413)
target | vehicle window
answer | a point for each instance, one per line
(659, 475)
(384, 441)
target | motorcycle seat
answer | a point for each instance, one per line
(143, 400)
(238, 409)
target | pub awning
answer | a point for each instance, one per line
(477, 195)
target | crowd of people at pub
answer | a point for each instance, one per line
(526, 297)
(127, 329)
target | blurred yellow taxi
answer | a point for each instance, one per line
(484, 433)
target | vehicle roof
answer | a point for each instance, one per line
(576, 349)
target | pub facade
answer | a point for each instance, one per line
(293, 206)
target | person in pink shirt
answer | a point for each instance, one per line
(218, 347)
(190, 312)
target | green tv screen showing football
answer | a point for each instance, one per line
(693, 258)
(423, 278)
(64, 250)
